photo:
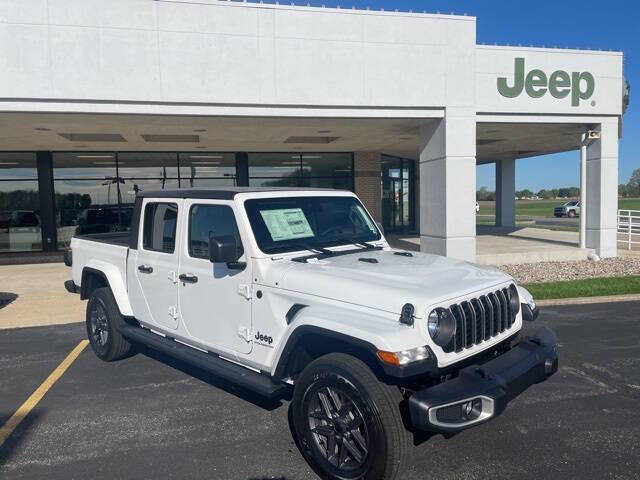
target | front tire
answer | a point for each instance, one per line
(571, 214)
(348, 423)
(103, 318)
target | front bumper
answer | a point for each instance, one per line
(482, 392)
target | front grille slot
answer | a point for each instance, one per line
(480, 319)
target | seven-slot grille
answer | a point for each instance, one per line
(479, 319)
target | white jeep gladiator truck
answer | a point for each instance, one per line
(296, 294)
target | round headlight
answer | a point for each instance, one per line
(514, 299)
(441, 326)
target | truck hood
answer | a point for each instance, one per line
(384, 280)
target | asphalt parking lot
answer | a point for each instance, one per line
(149, 417)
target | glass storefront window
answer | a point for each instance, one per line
(130, 186)
(338, 183)
(86, 206)
(18, 166)
(87, 194)
(194, 167)
(95, 191)
(317, 170)
(274, 165)
(327, 165)
(84, 165)
(20, 228)
(274, 170)
(148, 165)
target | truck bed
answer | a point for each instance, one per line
(114, 238)
(98, 250)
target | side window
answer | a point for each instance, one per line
(159, 231)
(207, 220)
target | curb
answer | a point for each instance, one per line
(589, 300)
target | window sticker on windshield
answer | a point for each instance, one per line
(286, 224)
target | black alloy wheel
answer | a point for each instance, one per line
(338, 429)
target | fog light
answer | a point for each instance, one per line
(471, 409)
(462, 413)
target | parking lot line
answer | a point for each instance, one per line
(36, 396)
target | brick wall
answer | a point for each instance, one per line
(367, 181)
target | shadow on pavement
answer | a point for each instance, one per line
(257, 400)
(6, 298)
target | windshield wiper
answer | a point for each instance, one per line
(307, 246)
(367, 245)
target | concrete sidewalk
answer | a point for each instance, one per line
(42, 299)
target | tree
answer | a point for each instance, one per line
(484, 194)
(526, 193)
(546, 194)
(634, 183)
(623, 190)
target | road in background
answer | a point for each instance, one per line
(540, 209)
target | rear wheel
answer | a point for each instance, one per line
(103, 318)
(347, 422)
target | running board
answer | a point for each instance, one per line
(236, 374)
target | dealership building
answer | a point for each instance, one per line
(103, 98)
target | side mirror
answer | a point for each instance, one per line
(225, 249)
(380, 227)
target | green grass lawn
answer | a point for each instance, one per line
(590, 287)
(541, 208)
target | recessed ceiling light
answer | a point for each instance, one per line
(170, 138)
(205, 163)
(200, 130)
(43, 129)
(94, 156)
(8, 163)
(291, 163)
(324, 131)
(311, 156)
(201, 147)
(206, 156)
(105, 163)
(93, 137)
(305, 139)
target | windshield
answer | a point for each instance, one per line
(289, 224)
(571, 204)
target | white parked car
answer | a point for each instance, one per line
(570, 209)
(278, 289)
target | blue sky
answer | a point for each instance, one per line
(584, 24)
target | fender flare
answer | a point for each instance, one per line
(303, 330)
(111, 276)
(427, 366)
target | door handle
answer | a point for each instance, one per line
(145, 268)
(188, 278)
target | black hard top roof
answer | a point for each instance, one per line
(221, 193)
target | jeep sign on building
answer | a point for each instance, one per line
(102, 99)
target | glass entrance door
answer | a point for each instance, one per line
(397, 194)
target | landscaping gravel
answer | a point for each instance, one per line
(555, 271)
